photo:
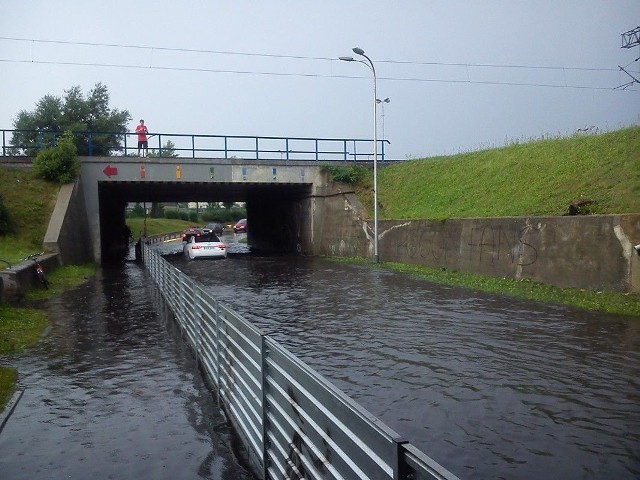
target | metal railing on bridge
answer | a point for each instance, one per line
(30, 142)
(293, 422)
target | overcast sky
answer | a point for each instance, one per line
(460, 74)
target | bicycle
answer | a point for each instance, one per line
(39, 270)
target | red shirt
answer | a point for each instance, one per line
(142, 131)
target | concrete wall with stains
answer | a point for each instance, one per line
(592, 252)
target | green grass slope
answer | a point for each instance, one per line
(30, 202)
(542, 177)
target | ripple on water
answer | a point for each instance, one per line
(489, 386)
(112, 392)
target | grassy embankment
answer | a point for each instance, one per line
(541, 177)
(157, 225)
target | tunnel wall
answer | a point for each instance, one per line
(68, 230)
(279, 225)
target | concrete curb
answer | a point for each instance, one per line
(10, 407)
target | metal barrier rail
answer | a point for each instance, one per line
(292, 421)
(204, 146)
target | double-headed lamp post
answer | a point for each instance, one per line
(369, 63)
(381, 103)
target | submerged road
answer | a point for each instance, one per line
(488, 386)
(112, 392)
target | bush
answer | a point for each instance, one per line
(193, 217)
(224, 215)
(6, 226)
(176, 215)
(137, 211)
(60, 163)
(349, 174)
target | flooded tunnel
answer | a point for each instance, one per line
(278, 214)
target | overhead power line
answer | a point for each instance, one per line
(303, 57)
(307, 75)
(151, 49)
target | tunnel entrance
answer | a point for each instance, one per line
(279, 215)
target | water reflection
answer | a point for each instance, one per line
(490, 387)
(112, 392)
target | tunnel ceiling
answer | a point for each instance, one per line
(200, 192)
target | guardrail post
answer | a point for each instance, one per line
(257, 150)
(264, 353)
(400, 469)
(286, 145)
(198, 325)
(218, 347)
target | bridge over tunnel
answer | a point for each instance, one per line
(285, 200)
(278, 214)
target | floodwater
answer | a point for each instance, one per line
(112, 392)
(490, 387)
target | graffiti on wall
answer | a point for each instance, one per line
(492, 243)
(485, 243)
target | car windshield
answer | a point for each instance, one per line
(208, 237)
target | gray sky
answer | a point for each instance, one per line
(461, 74)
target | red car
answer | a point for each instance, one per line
(191, 232)
(240, 226)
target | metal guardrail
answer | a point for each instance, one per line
(292, 421)
(207, 146)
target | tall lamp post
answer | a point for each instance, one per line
(369, 63)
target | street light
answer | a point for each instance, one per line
(382, 102)
(369, 63)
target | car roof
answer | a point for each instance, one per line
(207, 237)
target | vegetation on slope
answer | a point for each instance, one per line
(29, 203)
(542, 177)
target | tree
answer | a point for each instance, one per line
(137, 211)
(167, 151)
(75, 113)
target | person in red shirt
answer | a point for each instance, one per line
(143, 142)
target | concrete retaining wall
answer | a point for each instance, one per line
(20, 278)
(592, 252)
(68, 230)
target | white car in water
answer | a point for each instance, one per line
(207, 245)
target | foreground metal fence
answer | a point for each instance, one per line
(29, 142)
(292, 421)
